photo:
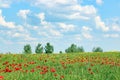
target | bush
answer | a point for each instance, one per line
(97, 49)
(39, 49)
(60, 52)
(49, 48)
(73, 49)
(27, 49)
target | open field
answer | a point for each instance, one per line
(76, 66)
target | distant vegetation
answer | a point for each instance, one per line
(74, 49)
(48, 49)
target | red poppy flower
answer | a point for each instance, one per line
(61, 77)
(17, 69)
(1, 77)
(55, 75)
(42, 72)
(89, 69)
(52, 70)
(32, 70)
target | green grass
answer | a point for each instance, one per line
(74, 66)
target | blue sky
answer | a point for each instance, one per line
(86, 23)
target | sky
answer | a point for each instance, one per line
(87, 23)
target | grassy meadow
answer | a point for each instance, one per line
(73, 66)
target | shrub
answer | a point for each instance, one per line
(39, 49)
(97, 49)
(49, 48)
(27, 49)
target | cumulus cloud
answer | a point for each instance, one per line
(5, 3)
(86, 32)
(78, 37)
(14, 30)
(66, 27)
(55, 32)
(5, 23)
(99, 2)
(69, 9)
(41, 16)
(23, 36)
(51, 3)
(85, 28)
(100, 24)
(111, 35)
(23, 13)
(47, 28)
(115, 27)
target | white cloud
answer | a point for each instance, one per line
(116, 27)
(51, 3)
(23, 13)
(87, 35)
(21, 35)
(44, 34)
(10, 25)
(100, 24)
(41, 16)
(15, 31)
(5, 3)
(76, 16)
(85, 28)
(47, 29)
(78, 37)
(80, 12)
(77, 12)
(55, 33)
(111, 35)
(69, 9)
(5, 23)
(99, 2)
(86, 32)
(66, 27)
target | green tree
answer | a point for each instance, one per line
(39, 49)
(49, 48)
(74, 49)
(80, 49)
(68, 50)
(27, 49)
(60, 52)
(97, 49)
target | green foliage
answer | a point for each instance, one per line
(73, 49)
(49, 48)
(27, 49)
(97, 49)
(80, 49)
(60, 52)
(39, 49)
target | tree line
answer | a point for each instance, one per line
(50, 49)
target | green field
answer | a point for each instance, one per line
(74, 66)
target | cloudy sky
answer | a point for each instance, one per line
(87, 23)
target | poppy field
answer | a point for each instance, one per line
(74, 66)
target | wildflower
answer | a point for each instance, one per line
(89, 69)
(52, 70)
(61, 77)
(42, 72)
(17, 69)
(91, 72)
(32, 70)
(55, 75)
(1, 77)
